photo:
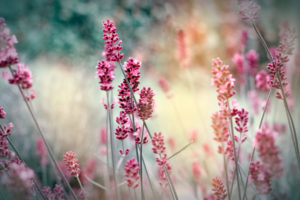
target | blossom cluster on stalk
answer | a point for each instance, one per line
(248, 10)
(56, 194)
(5, 131)
(268, 151)
(131, 69)
(146, 103)
(132, 173)
(182, 54)
(8, 53)
(218, 189)
(260, 177)
(71, 163)
(160, 149)
(123, 126)
(41, 151)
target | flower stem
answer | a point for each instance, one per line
(44, 139)
(182, 149)
(112, 144)
(141, 163)
(81, 186)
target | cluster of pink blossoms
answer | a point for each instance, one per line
(18, 178)
(124, 126)
(111, 53)
(160, 149)
(8, 53)
(57, 194)
(220, 127)
(262, 81)
(41, 151)
(112, 46)
(132, 173)
(268, 151)
(182, 54)
(4, 133)
(219, 189)
(106, 74)
(146, 103)
(260, 177)
(22, 76)
(248, 10)
(243, 67)
(71, 163)
(131, 69)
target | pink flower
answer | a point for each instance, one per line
(146, 103)
(106, 74)
(262, 81)
(244, 38)
(248, 10)
(254, 101)
(71, 163)
(252, 58)
(238, 60)
(164, 85)
(197, 171)
(171, 143)
(4, 151)
(279, 127)
(219, 189)
(102, 135)
(131, 68)
(268, 151)
(158, 143)
(260, 177)
(222, 79)
(57, 194)
(41, 151)
(162, 174)
(193, 135)
(132, 173)
(21, 76)
(18, 178)
(123, 129)
(8, 54)
(220, 127)
(241, 121)
(138, 134)
(2, 113)
(182, 53)
(112, 47)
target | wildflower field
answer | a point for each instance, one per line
(135, 99)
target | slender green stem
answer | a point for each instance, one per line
(112, 144)
(171, 182)
(141, 163)
(95, 183)
(182, 149)
(44, 139)
(234, 153)
(81, 186)
(226, 175)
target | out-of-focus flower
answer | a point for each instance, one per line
(132, 173)
(197, 171)
(58, 192)
(193, 135)
(106, 74)
(112, 46)
(41, 151)
(165, 86)
(238, 60)
(241, 122)
(71, 163)
(218, 189)
(268, 151)
(260, 177)
(2, 113)
(162, 174)
(262, 81)
(254, 101)
(102, 135)
(252, 58)
(244, 38)
(182, 53)
(171, 143)
(248, 10)
(8, 53)
(18, 178)
(21, 76)
(279, 127)
(146, 103)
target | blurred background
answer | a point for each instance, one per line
(61, 42)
